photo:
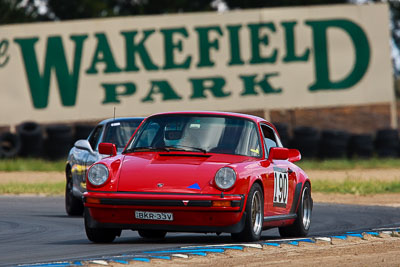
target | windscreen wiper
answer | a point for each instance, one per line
(185, 148)
(145, 148)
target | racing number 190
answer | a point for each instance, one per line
(280, 188)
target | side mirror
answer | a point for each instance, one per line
(107, 149)
(83, 144)
(294, 155)
(280, 153)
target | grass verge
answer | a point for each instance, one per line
(356, 187)
(30, 164)
(346, 164)
(48, 189)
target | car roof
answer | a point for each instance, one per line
(217, 113)
(121, 120)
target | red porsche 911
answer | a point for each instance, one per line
(198, 172)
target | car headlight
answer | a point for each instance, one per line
(225, 178)
(98, 174)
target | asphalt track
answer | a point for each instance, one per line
(36, 229)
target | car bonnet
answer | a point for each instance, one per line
(170, 172)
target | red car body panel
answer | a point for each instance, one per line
(182, 183)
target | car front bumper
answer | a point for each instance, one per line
(191, 212)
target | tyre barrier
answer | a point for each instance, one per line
(10, 145)
(283, 133)
(333, 144)
(387, 143)
(29, 141)
(360, 146)
(31, 135)
(306, 140)
(58, 142)
(82, 131)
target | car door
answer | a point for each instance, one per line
(281, 180)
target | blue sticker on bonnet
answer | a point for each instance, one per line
(194, 186)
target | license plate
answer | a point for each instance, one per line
(158, 216)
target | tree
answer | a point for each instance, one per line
(18, 11)
(79, 9)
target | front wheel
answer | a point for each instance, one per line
(73, 205)
(99, 235)
(254, 216)
(302, 224)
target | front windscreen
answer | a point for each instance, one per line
(120, 132)
(213, 134)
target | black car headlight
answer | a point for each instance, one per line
(98, 174)
(225, 178)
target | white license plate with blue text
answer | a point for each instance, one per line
(158, 216)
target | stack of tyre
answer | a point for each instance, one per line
(31, 136)
(336, 144)
(283, 133)
(306, 140)
(10, 145)
(387, 143)
(333, 144)
(32, 140)
(361, 146)
(59, 141)
(54, 141)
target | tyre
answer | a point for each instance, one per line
(306, 140)
(254, 216)
(58, 142)
(73, 205)
(283, 133)
(82, 131)
(387, 143)
(99, 235)
(387, 134)
(333, 144)
(152, 234)
(301, 226)
(10, 145)
(31, 136)
(360, 146)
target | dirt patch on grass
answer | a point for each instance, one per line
(392, 200)
(355, 174)
(31, 177)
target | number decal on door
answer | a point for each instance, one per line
(281, 184)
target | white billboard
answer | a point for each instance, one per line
(276, 58)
